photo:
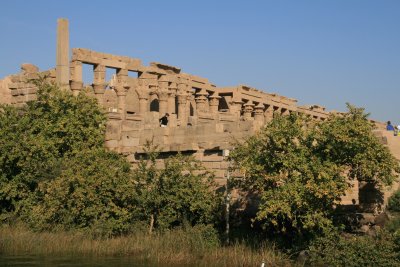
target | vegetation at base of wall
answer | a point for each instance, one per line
(195, 246)
(58, 179)
(394, 202)
(183, 191)
(300, 169)
(37, 138)
(55, 173)
(382, 249)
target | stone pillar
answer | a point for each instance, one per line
(163, 97)
(248, 109)
(143, 104)
(163, 101)
(62, 59)
(99, 82)
(189, 99)
(236, 107)
(201, 100)
(143, 95)
(259, 113)
(214, 102)
(268, 114)
(182, 98)
(121, 90)
(76, 82)
(171, 98)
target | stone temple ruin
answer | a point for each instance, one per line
(204, 118)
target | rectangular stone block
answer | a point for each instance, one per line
(127, 149)
(220, 174)
(113, 130)
(13, 85)
(129, 141)
(111, 144)
(14, 92)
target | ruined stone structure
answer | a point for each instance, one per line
(204, 119)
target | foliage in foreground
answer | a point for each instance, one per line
(56, 174)
(36, 140)
(383, 249)
(299, 168)
(181, 192)
(394, 202)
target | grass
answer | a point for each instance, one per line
(177, 247)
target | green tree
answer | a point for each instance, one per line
(37, 138)
(180, 192)
(299, 168)
(56, 174)
(94, 191)
(348, 140)
(382, 249)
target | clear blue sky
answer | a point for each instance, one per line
(319, 52)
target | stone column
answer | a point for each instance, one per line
(189, 99)
(121, 90)
(76, 82)
(236, 107)
(99, 82)
(162, 93)
(143, 103)
(248, 109)
(201, 100)
(268, 114)
(259, 113)
(214, 102)
(163, 101)
(62, 64)
(171, 98)
(182, 98)
(143, 94)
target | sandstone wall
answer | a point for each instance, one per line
(204, 119)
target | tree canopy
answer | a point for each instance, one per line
(301, 168)
(56, 174)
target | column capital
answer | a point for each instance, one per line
(162, 94)
(182, 98)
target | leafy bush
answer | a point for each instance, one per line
(300, 169)
(37, 138)
(94, 191)
(336, 250)
(181, 192)
(55, 173)
(393, 225)
(394, 202)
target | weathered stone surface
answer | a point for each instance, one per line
(29, 68)
(204, 119)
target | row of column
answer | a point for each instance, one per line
(261, 112)
(118, 84)
(167, 92)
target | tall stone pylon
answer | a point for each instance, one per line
(62, 67)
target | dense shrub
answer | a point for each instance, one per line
(394, 202)
(336, 250)
(94, 191)
(181, 192)
(36, 139)
(300, 169)
(55, 173)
